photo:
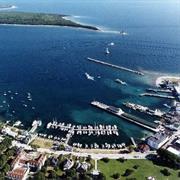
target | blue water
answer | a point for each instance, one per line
(50, 62)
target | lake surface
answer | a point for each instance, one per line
(50, 62)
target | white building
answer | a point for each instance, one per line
(8, 131)
(174, 150)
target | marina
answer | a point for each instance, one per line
(115, 66)
(84, 130)
(120, 113)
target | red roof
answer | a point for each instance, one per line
(17, 173)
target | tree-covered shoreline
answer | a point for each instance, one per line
(25, 18)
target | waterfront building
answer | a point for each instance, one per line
(143, 148)
(157, 140)
(174, 150)
(24, 163)
(175, 147)
(9, 132)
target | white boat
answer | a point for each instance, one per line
(123, 33)
(107, 51)
(121, 82)
(89, 77)
(111, 44)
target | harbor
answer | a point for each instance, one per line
(120, 113)
(115, 66)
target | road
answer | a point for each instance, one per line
(133, 155)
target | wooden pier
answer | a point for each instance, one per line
(115, 66)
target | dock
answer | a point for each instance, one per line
(157, 95)
(144, 109)
(115, 66)
(121, 114)
(95, 130)
(133, 142)
(159, 90)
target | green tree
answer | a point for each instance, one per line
(44, 169)
(121, 160)
(52, 175)
(10, 152)
(101, 176)
(71, 172)
(6, 168)
(3, 159)
(136, 166)
(2, 175)
(116, 176)
(128, 172)
(39, 176)
(165, 172)
(88, 159)
(106, 160)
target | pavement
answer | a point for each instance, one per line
(133, 155)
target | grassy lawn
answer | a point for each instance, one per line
(146, 168)
(42, 143)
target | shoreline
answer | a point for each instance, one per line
(48, 26)
(44, 19)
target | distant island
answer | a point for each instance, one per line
(25, 18)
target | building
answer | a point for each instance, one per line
(68, 164)
(83, 167)
(174, 150)
(143, 148)
(35, 161)
(18, 174)
(157, 140)
(175, 147)
(9, 132)
(23, 163)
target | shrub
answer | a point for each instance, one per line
(136, 166)
(121, 160)
(128, 172)
(116, 175)
(106, 160)
(165, 172)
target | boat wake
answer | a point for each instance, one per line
(8, 8)
(121, 33)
